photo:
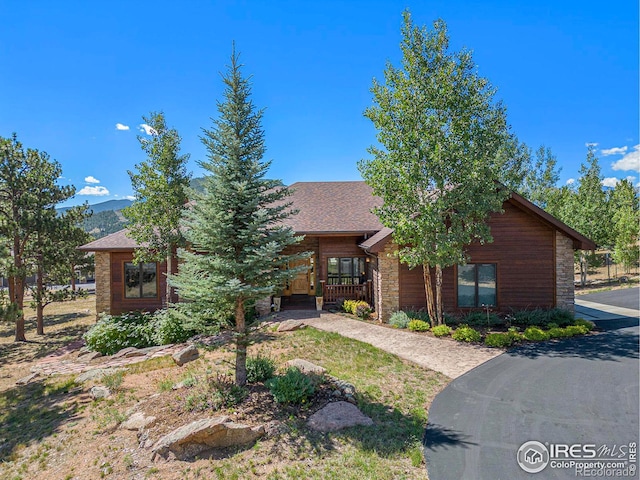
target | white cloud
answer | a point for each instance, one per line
(147, 129)
(129, 197)
(120, 126)
(591, 144)
(630, 178)
(630, 161)
(571, 181)
(610, 182)
(97, 191)
(91, 179)
(614, 151)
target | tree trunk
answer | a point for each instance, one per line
(439, 295)
(170, 267)
(16, 295)
(428, 288)
(73, 278)
(39, 306)
(583, 268)
(241, 344)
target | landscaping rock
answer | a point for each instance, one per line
(290, 325)
(186, 355)
(196, 437)
(137, 421)
(99, 391)
(306, 367)
(96, 374)
(336, 416)
(123, 352)
(91, 356)
(27, 379)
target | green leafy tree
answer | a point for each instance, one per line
(235, 228)
(442, 142)
(541, 177)
(623, 207)
(54, 254)
(160, 186)
(28, 193)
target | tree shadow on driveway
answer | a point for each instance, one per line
(617, 339)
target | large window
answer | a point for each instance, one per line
(140, 280)
(477, 285)
(346, 271)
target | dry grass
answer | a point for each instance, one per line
(51, 429)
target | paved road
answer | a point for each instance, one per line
(582, 390)
(625, 298)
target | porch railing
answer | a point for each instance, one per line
(336, 293)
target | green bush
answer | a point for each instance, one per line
(537, 317)
(465, 333)
(418, 315)
(292, 387)
(560, 316)
(558, 332)
(168, 328)
(499, 340)
(573, 330)
(418, 325)
(351, 306)
(479, 319)
(224, 392)
(399, 319)
(260, 369)
(114, 332)
(363, 310)
(536, 334)
(585, 323)
(441, 330)
(552, 325)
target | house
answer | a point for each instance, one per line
(528, 265)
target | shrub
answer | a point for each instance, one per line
(292, 387)
(168, 328)
(515, 335)
(441, 330)
(224, 392)
(552, 325)
(260, 369)
(526, 318)
(573, 330)
(479, 319)
(418, 325)
(465, 333)
(499, 340)
(585, 323)
(351, 306)
(363, 310)
(557, 332)
(560, 316)
(418, 315)
(114, 332)
(399, 319)
(536, 334)
(113, 381)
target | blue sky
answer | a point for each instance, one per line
(76, 73)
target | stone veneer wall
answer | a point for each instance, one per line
(564, 273)
(388, 279)
(103, 282)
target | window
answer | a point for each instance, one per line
(346, 271)
(140, 280)
(476, 285)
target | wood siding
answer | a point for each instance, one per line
(120, 304)
(524, 253)
(337, 247)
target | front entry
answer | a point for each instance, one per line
(301, 284)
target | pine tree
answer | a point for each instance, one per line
(235, 227)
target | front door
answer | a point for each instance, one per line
(301, 284)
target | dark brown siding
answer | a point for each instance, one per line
(120, 304)
(338, 247)
(523, 249)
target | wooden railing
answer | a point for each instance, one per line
(336, 293)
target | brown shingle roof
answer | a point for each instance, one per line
(115, 241)
(333, 207)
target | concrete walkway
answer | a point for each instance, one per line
(600, 311)
(442, 355)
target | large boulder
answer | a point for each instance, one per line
(196, 437)
(290, 325)
(306, 367)
(137, 421)
(336, 416)
(186, 355)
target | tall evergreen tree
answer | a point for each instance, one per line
(160, 187)
(235, 228)
(28, 194)
(443, 140)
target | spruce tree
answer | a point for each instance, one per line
(235, 228)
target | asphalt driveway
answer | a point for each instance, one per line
(581, 391)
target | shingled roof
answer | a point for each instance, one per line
(334, 208)
(115, 241)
